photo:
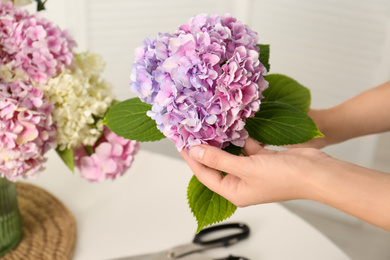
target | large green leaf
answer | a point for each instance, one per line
(207, 206)
(279, 123)
(264, 55)
(129, 120)
(67, 157)
(287, 90)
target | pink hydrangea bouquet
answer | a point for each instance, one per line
(208, 83)
(52, 97)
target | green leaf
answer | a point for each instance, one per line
(278, 123)
(207, 206)
(67, 157)
(129, 120)
(287, 90)
(264, 55)
(236, 150)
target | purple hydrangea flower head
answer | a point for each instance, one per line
(32, 43)
(203, 81)
(27, 131)
(112, 156)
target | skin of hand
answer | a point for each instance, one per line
(265, 176)
(254, 179)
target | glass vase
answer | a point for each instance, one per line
(10, 220)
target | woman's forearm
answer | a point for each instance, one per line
(358, 191)
(364, 114)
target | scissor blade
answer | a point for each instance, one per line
(154, 256)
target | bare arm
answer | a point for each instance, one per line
(299, 173)
(358, 191)
(364, 114)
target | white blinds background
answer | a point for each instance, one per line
(334, 47)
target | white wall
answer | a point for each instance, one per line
(337, 48)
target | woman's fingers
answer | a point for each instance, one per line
(209, 177)
(206, 161)
(225, 186)
(252, 147)
(218, 159)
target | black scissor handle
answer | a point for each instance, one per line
(243, 232)
(231, 257)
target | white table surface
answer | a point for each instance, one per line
(146, 210)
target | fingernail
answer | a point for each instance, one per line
(197, 152)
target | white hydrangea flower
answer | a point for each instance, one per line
(10, 74)
(81, 99)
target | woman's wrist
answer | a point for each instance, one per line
(323, 120)
(333, 124)
(324, 179)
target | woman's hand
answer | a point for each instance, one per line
(262, 176)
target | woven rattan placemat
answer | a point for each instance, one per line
(49, 229)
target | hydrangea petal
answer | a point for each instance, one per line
(218, 80)
(27, 132)
(113, 155)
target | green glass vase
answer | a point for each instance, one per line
(10, 220)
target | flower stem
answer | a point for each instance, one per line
(88, 150)
(41, 5)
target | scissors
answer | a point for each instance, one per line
(200, 243)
